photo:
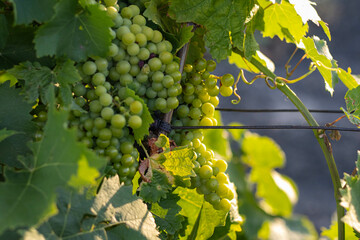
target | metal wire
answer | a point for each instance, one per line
(345, 129)
(275, 110)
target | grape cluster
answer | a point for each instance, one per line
(139, 59)
(197, 107)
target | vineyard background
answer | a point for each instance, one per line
(305, 162)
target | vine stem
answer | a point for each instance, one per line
(319, 135)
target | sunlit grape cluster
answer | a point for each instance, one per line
(139, 59)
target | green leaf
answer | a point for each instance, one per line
(4, 32)
(283, 21)
(332, 232)
(74, 32)
(146, 118)
(262, 152)
(277, 194)
(306, 11)
(55, 160)
(197, 46)
(350, 199)
(220, 18)
(33, 10)
(352, 100)
(192, 205)
(179, 162)
(37, 80)
(326, 29)
(19, 120)
(349, 80)
(166, 214)
(114, 213)
(297, 227)
(243, 63)
(156, 189)
(318, 51)
(18, 48)
(6, 133)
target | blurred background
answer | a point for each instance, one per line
(306, 164)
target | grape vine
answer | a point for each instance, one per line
(94, 94)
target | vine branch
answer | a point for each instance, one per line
(319, 135)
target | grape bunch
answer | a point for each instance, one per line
(105, 115)
(197, 107)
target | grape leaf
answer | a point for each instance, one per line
(156, 189)
(55, 159)
(146, 118)
(332, 232)
(18, 47)
(197, 46)
(6, 133)
(198, 213)
(243, 63)
(113, 214)
(222, 19)
(38, 79)
(268, 156)
(19, 120)
(74, 32)
(297, 228)
(278, 194)
(283, 21)
(166, 214)
(179, 162)
(350, 198)
(33, 10)
(326, 29)
(352, 99)
(4, 32)
(306, 11)
(318, 51)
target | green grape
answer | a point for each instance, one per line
(213, 92)
(136, 107)
(160, 103)
(105, 99)
(188, 68)
(79, 90)
(133, 49)
(172, 102)
(127, 12)
(100, 89)
(157, 76)
(141, 39)
(200, 65)
(111, 152)
(126, 147)
(221, 164)
(135, 9)
(107, 113)
(210, 65)
(121, 31)
(89, 68)
(110, 2)
(128, 38)
(98, 79)
(157, 37)
(155, 64)
(206, 172)
(214, 101)
(223, 190)
(135, 122)
(95, 106)
(149, 33)
(135, 28)
(208, 109)
(212, 184)
(226, 91)
(140, 20)
(205, 121)
(195, 113)
(183, 111)
(113, 50)
(168, 81)
(224, 205)
(227, 80)
(99, 123)
(166, 57)
(210, 82)
(105, 134)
